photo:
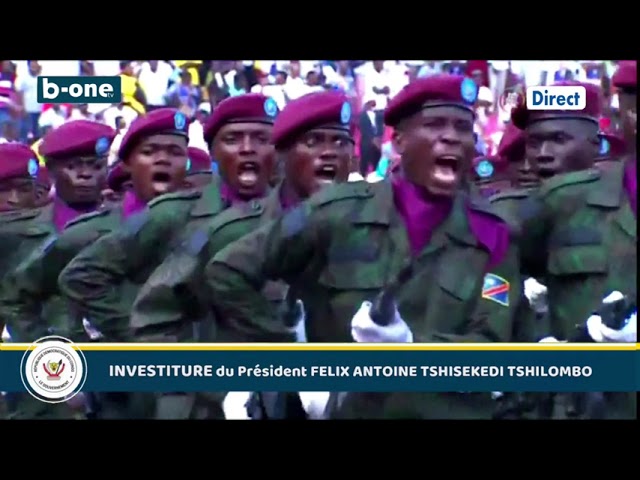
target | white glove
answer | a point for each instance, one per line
(365, 330)
(314, 403)
(299, 329)
(599, 332)
(93, 332)
(536, 293)
(234, 406)
(551, 340)
(6, 336)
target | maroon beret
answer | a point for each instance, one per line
(75, 138)
(626, 76)
(250, 107)
(17, 160)
(434, 91)
(311, 111)
(512, 144)
(163, 120)
(199, 161)
(117, 176)
(521, 116)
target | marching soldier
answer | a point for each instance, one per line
(581, 229)
(313, 138)
(349, 241)
(18, 177)
(489, 176)
(75, 156)
(154, 156)
(239, 135)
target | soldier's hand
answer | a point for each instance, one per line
(234, 406)
(536, 293)
(365, 330)
(314, 403)
(599, 332)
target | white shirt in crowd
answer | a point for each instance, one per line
(295, 88)
(274, 91)
(374, 79)
(115, 111)
(52, 118)
(155, 84)
(27, 84)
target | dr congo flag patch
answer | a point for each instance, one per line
(496, 289)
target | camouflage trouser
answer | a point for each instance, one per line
(125, 405)
(612, 406)
(189, 406)
(415, 405)
(22, 406)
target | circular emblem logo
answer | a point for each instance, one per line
(345, 113)
(484, 169)
(510, 100)
(469, 90)
(32, 167)
(270, 107)
(179, 120)
(52, 370)
(605, 147)
(188, 167)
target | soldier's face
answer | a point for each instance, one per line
(80, 180)
(17, 193)
(561, 145)
(437, 146)
(319, 157)
(197, 180)
(522, 174)
(157, 165)
(245, 156)
(628, 112)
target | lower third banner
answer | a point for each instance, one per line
(56, 368)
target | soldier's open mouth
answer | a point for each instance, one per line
(546, 173)
(445, 169)
(326, 173)
(161, 177)
(248, 173)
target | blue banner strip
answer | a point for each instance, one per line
(349, 367)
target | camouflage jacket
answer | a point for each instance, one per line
(582, 230)
(30, 301)
(348, 242)
(175, 291)
(507, 205)
(103, 280)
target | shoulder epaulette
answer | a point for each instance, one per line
(509, 194)
(183, 195)
(343, 191)
(88, 216)
(18, 215)
(566, 179)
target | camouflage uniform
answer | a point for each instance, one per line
(583, 229)
(175, 292)
(345, 244)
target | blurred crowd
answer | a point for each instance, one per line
(197, 86)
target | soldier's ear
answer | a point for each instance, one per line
(398, 141)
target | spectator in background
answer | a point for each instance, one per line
(371, 129)
(295, 86)
(184, 95)
(81, 112)
(121, 111)
(341, 78)
(26, 87)
(9, 108)
(52, 117)
(154, 79)
(196, 127)
(87, 69)
(240, 84)
(191, 66)
(132, 93)
(314, 82)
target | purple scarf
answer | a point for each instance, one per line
(131, 204)
(423, 214)
(63, 213)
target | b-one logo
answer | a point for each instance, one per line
(52, 370)
(79, 89)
